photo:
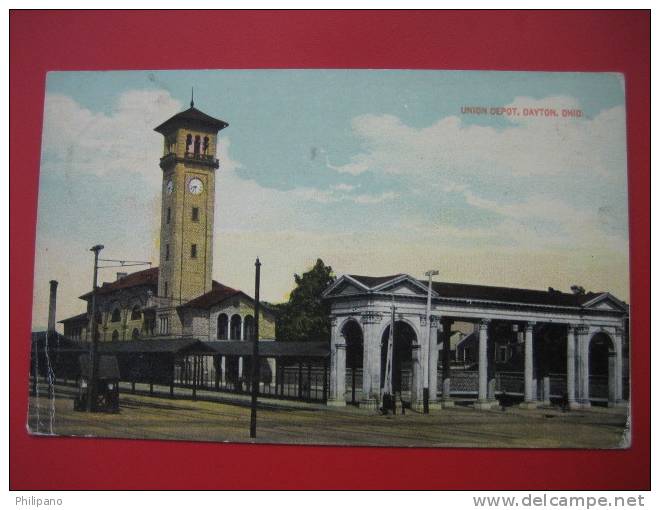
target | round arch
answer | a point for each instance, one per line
(352, 333)
(354, 337)
(405, 338)
(248, 327)
(115, 316)
(223, 327)
(235, 327)
(602, 367)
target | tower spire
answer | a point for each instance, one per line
(192, 97)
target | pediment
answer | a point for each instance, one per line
(346, 290)
(606, 301)
(344, 286)
(404, 285)
(404, 288)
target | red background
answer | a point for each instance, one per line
(527, 40)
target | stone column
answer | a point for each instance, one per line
(340, 377)
(618, 369)
(492, 374)
(546, 390)
(530, 391)
(371, 360)
(433, 366)
(337, 366)
(583, 366)
(482, 401)
(416, 392)
(571, 339)
(446, 363)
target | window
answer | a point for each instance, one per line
(164, 325)
(136, 334)
(116, 315)
(248, 327)
(167, 252)
(235, 327)
(197, 143)
(136, 314)
(193, 251)
(115, 335)
(223, 323)
(502, 353)
(165, 293)
(195, 213)
(169, 214)
(205, 145)
(189, 143)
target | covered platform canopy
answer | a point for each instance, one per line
(177, 346)
(271, 349)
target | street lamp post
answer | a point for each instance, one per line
(427, 378)
(255, 353)
(91, 389)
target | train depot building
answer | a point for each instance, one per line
(174, 325)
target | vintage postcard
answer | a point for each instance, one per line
(427, 258)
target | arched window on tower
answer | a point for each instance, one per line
(223, 326)
(197, 145)
(116, 315)
(205, 146)
(189, 142)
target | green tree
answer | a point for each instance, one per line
(306, 317)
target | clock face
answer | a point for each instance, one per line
(170, 187)
(195, 186)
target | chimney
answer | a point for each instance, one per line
(121, 275)
(51, 306)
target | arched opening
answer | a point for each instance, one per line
(352, 333)
(235, 327)
(189, 143)
(248, 328)
(136, 314)
(205, 145)
(116, 315)
(136, 334)
(402, 359)
(115, 335)
(602, 362)
(223, 326)
(197, 145)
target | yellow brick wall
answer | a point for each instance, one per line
(187, 277)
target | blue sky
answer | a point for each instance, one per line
(374, 171)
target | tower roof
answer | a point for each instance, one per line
(191, 116)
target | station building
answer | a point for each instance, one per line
(534, 345)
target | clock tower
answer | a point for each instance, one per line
(188, 192)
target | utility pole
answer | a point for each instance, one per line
(427, 377)
(388, 394)
(91, 389)
(255, 352)
(93, 326)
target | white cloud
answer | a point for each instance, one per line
(451, 150)
(76, 139)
